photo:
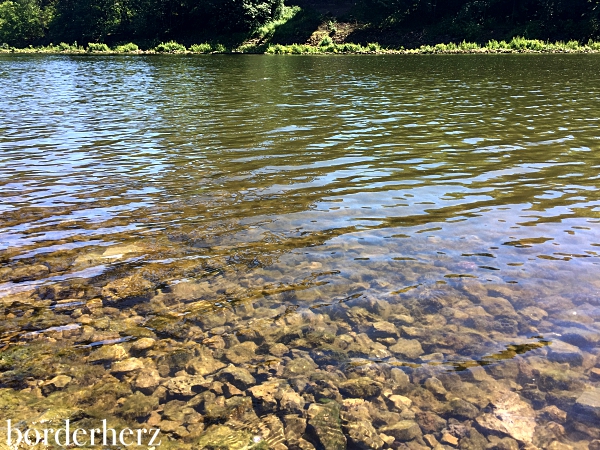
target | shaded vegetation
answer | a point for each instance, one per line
(260, 25)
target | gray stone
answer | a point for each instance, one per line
(204, 365)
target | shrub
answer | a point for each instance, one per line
(593, 45)
(219, 48)
(97, 47)
(572, 45)
(170, 47)
(127, 48)
(326, 41)
(468, 46)
(373, 47)
(201, 48)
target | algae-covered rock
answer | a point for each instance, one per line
(362, 387)
(324, 426)
(138, 405)
(108, 353)
(131, 286)
(221, 437)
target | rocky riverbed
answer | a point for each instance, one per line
(239, 359)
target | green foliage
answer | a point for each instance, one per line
(325, 42)
(23, 22)
(267, 30)
(201, 48)
(170, 47)
(302, 49)
(127, 48)
(219, 48)
(594, 46)
(97, 47)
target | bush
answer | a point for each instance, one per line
(201, 48)
(593, 45)
(468, 46)
(572, 45)
(127, 48)
(373, 47)
(325, 42)
(219, 48)
(170, 47)
(97, 47)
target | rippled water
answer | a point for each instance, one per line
(314, 221)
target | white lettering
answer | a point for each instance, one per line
(75, 433)
(93, 431)
(122, 438)
(10, 431)
(139, 433)
(67, 435)
(104, 430)
(46, 431)
(151, 443)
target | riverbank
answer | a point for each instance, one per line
(326, 46)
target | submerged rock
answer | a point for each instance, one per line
(404, 430)
(589, 403)
(131, 286)
(409, 348)
(238, 376)
(362, 387)
(510, 416)
(324, 426)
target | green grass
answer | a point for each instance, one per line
(170, 47)
(326, 46)
(127, 48)
(97, 47)
(201, 48)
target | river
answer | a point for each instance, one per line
(303, 252)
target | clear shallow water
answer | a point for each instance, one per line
(432, 215)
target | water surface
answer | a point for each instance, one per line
(428, 223)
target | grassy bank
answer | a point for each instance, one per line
(326, 46)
